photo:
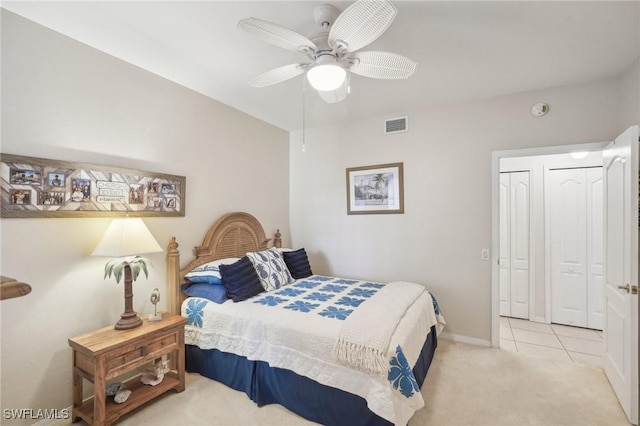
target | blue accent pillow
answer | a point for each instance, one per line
(298, 263)
(272, 271)
(209, 273)
(215, 293)
(240, 280)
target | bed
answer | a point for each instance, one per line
(335, 351)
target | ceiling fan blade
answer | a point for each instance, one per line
(277, 35)
(383, 65)
(361, 23)
(333, 96)
(278, 75)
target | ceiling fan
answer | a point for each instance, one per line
(333, 51)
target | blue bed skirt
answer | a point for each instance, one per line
(270, 385)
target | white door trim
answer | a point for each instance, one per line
(495, 216)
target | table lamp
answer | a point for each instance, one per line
(124, 240)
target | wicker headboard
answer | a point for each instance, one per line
(233, 235)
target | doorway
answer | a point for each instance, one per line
(530, 268)
(621, 169)
(537, 305)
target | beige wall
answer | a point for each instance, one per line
(630, 95)
(63, 100)
(447, 171)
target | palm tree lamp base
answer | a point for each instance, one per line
(129, 318)
(128, 322)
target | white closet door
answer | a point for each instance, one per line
(567, 214)
(505, 246)
(520, 245)
(514, 244)
(595, 246)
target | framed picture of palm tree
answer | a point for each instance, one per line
(375, 189)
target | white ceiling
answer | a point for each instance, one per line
(464, 50)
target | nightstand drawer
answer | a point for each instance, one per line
(133, 355)
(164, 343)
(140, 354)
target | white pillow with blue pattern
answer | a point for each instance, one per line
(271, 269)
(209, 273)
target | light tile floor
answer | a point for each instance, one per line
(554, 341)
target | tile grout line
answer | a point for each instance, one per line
(540, 332)
(550, 347)
(553, 332)
(562, 344)
(577, 338)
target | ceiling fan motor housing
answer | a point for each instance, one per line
(321, 40)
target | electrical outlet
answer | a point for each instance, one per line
(485, 254)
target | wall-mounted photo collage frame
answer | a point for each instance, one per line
(37, 187)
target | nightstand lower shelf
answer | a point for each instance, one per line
(138, 397)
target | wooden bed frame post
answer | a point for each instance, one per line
(173, 276)
(277, 240)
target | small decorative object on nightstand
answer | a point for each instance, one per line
(155, 298)
(122, 396)
(106, 355)
(153, 376)
(114, 388)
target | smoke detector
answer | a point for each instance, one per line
(540, 109)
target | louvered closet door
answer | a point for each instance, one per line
(514, 244)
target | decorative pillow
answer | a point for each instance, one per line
(271, 269)
(240, 280)
(215, 293)
(298, 263)
(209, 273)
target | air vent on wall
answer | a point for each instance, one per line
(396, 125)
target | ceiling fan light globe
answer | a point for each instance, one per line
(326, 77)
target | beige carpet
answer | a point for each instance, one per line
(467, 385)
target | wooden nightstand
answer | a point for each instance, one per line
(103, 355)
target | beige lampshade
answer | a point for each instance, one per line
(126, 237)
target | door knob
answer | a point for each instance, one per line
(624, 287)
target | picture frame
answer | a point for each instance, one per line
(24, 177)
(56, 180)
(377, 189)
(38, 187)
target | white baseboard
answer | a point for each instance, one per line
(465, 339)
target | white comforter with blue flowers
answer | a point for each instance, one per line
(298, 326)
